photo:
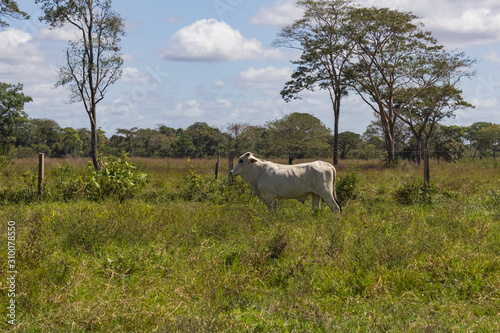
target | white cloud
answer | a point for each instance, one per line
(210, 40)
(457, 23)
(190, 109)
(219, 84)
(269, 80)
(219, 104)
(65, 34)
(282, 13)
(18, 46)
(131, 74)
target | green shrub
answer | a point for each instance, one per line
(413, 193)
(24, 189)
(347, 188)
(207, 189)
(4, 161)
(63, 183)
(117, 179)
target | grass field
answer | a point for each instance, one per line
(188, 254)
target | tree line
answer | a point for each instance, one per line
(294, 136)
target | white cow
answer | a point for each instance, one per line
(271, 181)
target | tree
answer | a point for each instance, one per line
(236, 129)
(93, 61)
(45, 136)
(10, 9)
(347, 142)
(434, 95)
(208, 140)
(325, 53)
(12, 115)
(251, 138)
(456, 134)
(183, 146)
(445, 144)
(472, 135)
(388, 50)
(71, 144)
(489, 138)
(296, 133)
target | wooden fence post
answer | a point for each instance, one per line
(426, 169)
(230, 167)
(217, 167)
(41, 168)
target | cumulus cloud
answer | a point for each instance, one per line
(269, 80)
(282, 13)
(457, 23)
(17, 46)
(210, 40)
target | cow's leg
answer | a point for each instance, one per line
(332, 203)
(271, 201)
(316, 200)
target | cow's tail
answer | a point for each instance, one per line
(334, 192)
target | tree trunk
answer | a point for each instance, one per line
(93, 130)
(388, 125)
(336, 114)
(389, 143)
(419, 149)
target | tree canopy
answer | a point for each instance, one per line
(10, 9)
(12, 115)
(296, 133)
(325, 54)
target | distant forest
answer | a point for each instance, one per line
(294, 136)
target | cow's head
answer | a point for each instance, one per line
(244, 164)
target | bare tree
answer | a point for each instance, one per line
(93, 61)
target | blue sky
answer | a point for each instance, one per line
(212, 61)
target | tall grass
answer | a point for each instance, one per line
(189, 254)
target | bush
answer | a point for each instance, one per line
(64, 183)
(208, 189)
(24, 190)
(413, 193)
(347, 187)
(117, 179)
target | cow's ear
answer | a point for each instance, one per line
(253, 160)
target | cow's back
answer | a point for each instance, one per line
(294, 181)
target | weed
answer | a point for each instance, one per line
(276, 246)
